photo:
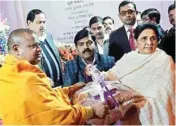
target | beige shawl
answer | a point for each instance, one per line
(152, 76)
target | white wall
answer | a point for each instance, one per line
(65, 18)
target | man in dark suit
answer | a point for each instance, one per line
(50, 63)
(167, 43)
(119, 39)
(152, 15)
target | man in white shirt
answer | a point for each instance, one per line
(98, 31)
(108, 24)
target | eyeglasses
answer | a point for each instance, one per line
(124, 13)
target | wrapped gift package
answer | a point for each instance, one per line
(93, 92)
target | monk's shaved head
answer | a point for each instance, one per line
(25, 45)
(16, 37)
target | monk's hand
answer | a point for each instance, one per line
(76, 87)
(99, 109)
(51, 82)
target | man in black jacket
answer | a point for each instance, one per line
(119, 39)
(153, 16)
(50, 63)
(167, 43)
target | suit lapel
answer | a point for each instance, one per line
(125, 41)
(50, 42)
(98, 62)
(81, 69)
(125, 36)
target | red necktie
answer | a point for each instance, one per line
(131, 39)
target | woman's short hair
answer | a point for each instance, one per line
(143, 27)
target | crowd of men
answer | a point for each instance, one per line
(108, 41)
(100, 44)
(116, 43)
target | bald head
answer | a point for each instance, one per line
(24, 44)
(16, 37)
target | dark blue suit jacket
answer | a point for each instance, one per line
(160, 31)
(118, 43)
(74, 69)
(49, 40)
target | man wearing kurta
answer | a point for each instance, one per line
(26, 95)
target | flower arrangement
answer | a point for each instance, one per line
(4, 29)
(67, 51)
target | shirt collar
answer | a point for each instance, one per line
(42, 38)
(86, 63)
(106, 37)
(95, 60)
(134, 26)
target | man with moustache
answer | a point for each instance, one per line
(50, 62)
(74, 70)
(98, 31)
(108, 23)
(122, 40)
